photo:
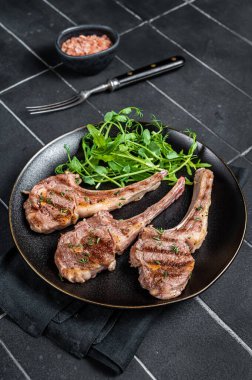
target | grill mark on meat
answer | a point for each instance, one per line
(114, 237)
(96, 253)
(78, 201)
(165, 273)
(151, 253)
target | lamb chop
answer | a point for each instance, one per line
(58, 201)
(164, 258)
(92, 246)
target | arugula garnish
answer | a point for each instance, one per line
(122, 150)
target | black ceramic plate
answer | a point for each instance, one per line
(227, 222)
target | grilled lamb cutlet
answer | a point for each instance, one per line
(92, 246)
(164, 258)
(58, 201)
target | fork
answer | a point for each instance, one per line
(123, 80)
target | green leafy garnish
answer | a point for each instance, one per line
(75, 247)
(165, 274)
(84, 260)
(90, 240)
(122, 150)
(44, 199)
(61, 278)
(64, 211)
(175, 248)
(199, 208)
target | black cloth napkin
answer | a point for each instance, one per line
(110, 336)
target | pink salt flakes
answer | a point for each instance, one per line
(86, 45)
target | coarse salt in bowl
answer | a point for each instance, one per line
(87, 49)
(85, 45)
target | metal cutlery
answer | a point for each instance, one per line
(123, 80)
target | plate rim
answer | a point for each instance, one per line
(166, 302)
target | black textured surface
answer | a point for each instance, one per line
(210, 43)
(210, 99)
(97, 12)
(41, 359)
(42, 90)
(14, 160)
(151, 8)
(120, 288)
(35, 24)
(186, 342)
(9, 369)
(201, 350)
(240, 317)
(247, 190)
(11, 54)
(230, 14)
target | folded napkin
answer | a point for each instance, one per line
(110, 336)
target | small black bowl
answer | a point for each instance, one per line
(93, 63)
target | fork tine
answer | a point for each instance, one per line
(51, 108)
(60, 108)
(47, 106)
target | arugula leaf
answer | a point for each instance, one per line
(101, 170)
(121, 118)
(109, 116)
(98, 138)
(75, 165)
(126, 111)
(146, 137)
(154, 148)
(126, 169)
(114, 166)
(121, 150)
(172, 155)
(88, 180)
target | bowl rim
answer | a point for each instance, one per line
(83, 27)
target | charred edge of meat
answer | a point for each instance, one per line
(58, 201)
(101, 237)
(164, 256)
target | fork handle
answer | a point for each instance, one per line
(154, 69)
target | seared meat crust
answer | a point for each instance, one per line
(58, 201)
(164, 258)
(92, 246)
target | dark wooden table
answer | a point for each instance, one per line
(209, 337)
